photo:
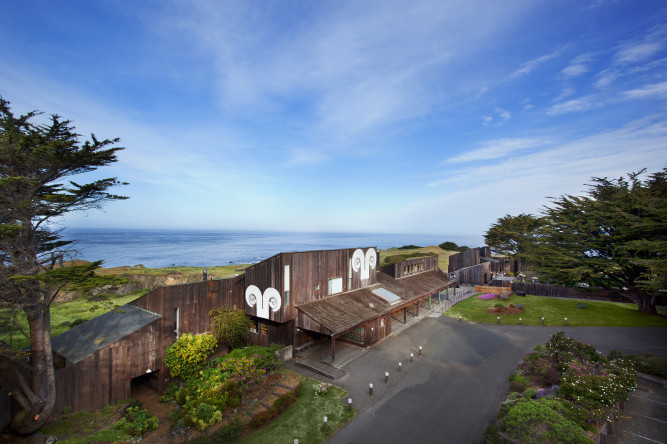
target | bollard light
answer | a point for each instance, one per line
(420, 350)
(325, 423)
(386, 377)
(349, 403)
(499, 319)
(565, 321)
(399, 367)
(412, 357)
(370, 389)
(520, 321)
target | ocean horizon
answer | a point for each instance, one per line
(207, 248)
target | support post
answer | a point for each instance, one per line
(333, 348)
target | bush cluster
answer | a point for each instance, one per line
(204, 396)
(560, 391)
(136, 422)
(186, 356)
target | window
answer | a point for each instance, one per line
(286, 285)
(254, 326)
(177, 323)
(335, 285)
(317, 286)
(263, 329)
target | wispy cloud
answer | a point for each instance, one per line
(575, 105)
(531, 65)
(656, 90)
(495, 149)
(578, 66)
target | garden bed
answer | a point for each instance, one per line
(563, 392)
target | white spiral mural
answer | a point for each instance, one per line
(269, 300)
(364, 262)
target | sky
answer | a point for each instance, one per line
(424, 117)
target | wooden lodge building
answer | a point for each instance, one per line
(292, 299)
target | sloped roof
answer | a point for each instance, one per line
(91, 336)
(343, 311)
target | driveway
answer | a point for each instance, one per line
(451, 392)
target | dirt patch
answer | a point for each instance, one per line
(509, 309)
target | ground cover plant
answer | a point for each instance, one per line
(443, 256)
(555, 310)
(562, 392)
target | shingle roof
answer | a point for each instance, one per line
(343, 311)
(94, 335)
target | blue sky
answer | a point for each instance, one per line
(376, 116)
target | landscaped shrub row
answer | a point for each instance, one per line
(561, 393)
(279, 406)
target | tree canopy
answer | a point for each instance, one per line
(614, 237)
(510, 235)
(35, 160)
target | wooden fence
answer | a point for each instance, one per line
(557, 291)
(490, 289)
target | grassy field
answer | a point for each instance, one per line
(554, 310)
(63, 314)
(304, 420)
(443, 256)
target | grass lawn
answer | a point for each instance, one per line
(554, 310)
(304, 419)
(64, 313)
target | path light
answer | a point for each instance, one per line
(325, 423)
(542, 320)
(386, 377)
(349, 404)
(420, 350)
(520, 323)
(399, 367)
(499, 319)
(565, 321)
(460, 318)
(370, 389)
(412, 357)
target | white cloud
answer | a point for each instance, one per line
(530, 65)
(503, 113)
(656, 90)
(494, 149)
(575, 105)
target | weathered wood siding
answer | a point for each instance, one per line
(194, 302)
(557, 291)
(466, 259)
(105, 377)
(307, 270)
(411, 266)
(475, 275)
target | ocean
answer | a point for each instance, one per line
(166, 248)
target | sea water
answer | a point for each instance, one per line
(166, 248)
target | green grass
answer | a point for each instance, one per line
(304, 419)
(86, 426)
(554, 310)
(64, 312)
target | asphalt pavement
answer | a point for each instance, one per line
(451, 392)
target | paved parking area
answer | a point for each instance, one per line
(450, 394)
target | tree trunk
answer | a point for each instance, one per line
(645, 302)
(38, 392)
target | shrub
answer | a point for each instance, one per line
(499, 305)
(185, 357)
(265, 357)
(515, 377)
(137, 421)
(540, 421)
(281, 404)
(265, 415)
(170, 392)
(516, 386)
(205, 415)
(530, 393)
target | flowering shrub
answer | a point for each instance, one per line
(593, 385)
(541, 421)
(487, 296)
(322, 389)
(186, 356)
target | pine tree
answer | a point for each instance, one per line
(34, 267)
